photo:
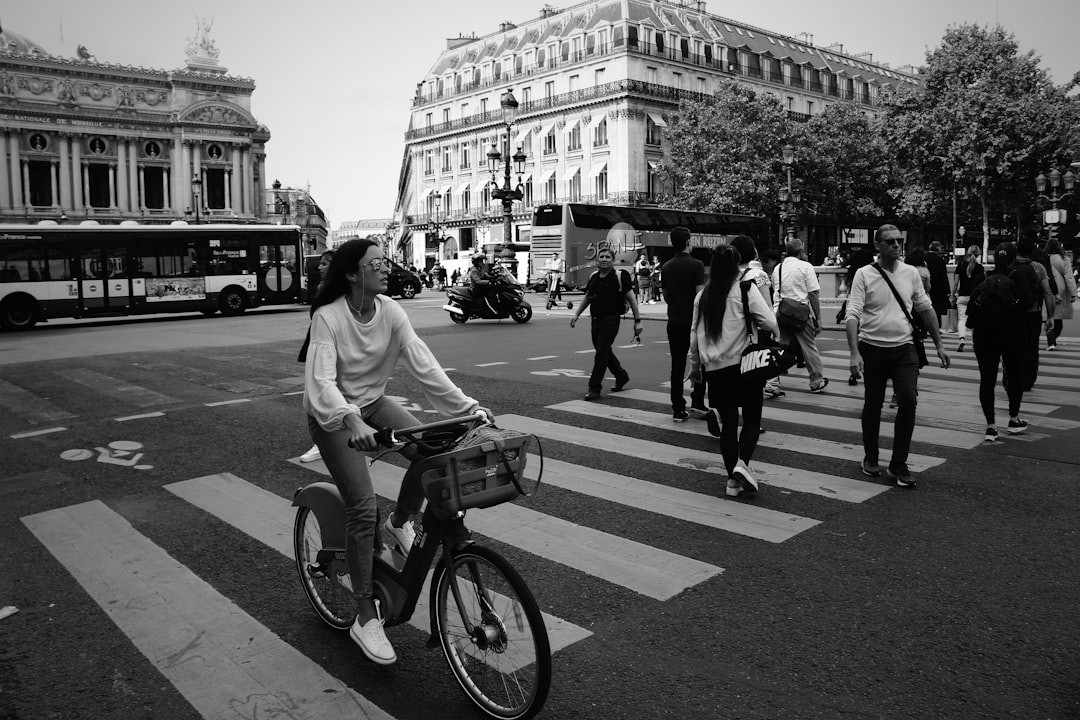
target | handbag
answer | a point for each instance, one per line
(762, 361)
(791, 315)
(919, 331)
(841, 313)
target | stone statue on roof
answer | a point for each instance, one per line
(201, 45)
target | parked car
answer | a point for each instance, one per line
(401, 282)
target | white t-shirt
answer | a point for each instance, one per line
(793, 278)
(881, 320)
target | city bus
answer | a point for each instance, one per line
(89, 270)
(578, 231)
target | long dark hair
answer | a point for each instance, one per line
(1053, 247)
(345, 260)
(722, 273)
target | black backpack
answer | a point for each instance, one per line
(995, 300)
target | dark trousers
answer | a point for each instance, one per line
(678, 337)
(1033, 325)
(604, 330)
(1054, 333)
(880, 365)
(729, 393)
(995, 345)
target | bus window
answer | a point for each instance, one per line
(229, 256)
(171, 258)
(14, 262)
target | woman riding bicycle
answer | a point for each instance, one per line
(358, 336)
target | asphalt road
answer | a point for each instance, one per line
(830, 595)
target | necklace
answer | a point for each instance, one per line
(355, 311)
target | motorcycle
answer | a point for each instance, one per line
(505, 299)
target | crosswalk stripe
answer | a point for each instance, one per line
(671, 501)
(21, 402)
(779, 441)
(223, 661)
(137, 395)
(650, 571)
(932, 435)
(268, 518)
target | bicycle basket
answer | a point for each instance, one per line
(485, 468)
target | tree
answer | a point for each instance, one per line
(726, 152)
(984, 118)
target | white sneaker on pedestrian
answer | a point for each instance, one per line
(372, 641)
(746, 480)
(311, 455)
(402, 537)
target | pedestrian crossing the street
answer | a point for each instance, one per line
(223, 660)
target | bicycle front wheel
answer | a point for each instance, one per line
(493, 634)
(325, 579)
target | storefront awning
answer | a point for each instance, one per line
(658, 120)
(597, 169)
(571, 172)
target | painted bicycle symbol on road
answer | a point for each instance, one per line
(118, 452)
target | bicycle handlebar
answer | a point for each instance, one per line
(387, 437)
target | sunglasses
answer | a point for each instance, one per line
(378, 264)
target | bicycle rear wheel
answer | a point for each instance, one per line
(495, 642)
(325, 580)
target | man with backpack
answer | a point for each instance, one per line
(609, 292)
(995, 314)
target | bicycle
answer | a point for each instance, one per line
(486, 619)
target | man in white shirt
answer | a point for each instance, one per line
(555, 270)
(882, 347)
(795, 279)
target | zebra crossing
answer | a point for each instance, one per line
(225, 662)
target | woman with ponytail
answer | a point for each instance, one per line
(358, 336)
(718, 338)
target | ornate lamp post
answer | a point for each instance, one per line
(196, 194)
(434, 227)
(1054, 217)
(788, 196)
(507, 194)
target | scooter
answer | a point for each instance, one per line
(505, 300)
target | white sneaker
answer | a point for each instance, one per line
(311, 455)
(403, 537)
(733, 488)
(746, 480)
(372, 641)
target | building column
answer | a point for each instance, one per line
(14, 168)
(133, 176)
(5, 175)
(176, 162)
(260, 179)
(235, 180)
(84, 172)
(121, 176)
(249, 207)
(228, 189)
(141, 182)
(25, 170)
(184, 181)
(65, 173)
(112, 187)
(54, 184)
(166, 188)
(77, 175)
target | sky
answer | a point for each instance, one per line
(335, 78)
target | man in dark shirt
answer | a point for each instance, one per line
(682, 278)
(608, 292)
(939, 280)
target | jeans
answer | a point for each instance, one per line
(349, 469)
(679, 347)
(995, 345)
(1054, 333)
(880, 365)
(604, 330)
(806, 345)
(729, 393)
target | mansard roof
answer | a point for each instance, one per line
(662, 15)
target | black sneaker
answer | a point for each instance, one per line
(870, 468)
(1017, 426)
(901, 476)
(991, 435)
(680, 416)
(592, 395)
(712, 419)
(620, 384)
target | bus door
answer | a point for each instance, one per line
(104, 284)
(279, 273)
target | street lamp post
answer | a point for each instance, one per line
(196, 194)
(434, 228)
(507, 194)
(1054, 217)
(789, 197)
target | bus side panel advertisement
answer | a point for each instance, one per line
(168, 289)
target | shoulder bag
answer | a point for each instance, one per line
(918, 329)
(791, 315)
(764, 360)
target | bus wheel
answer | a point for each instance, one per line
(232, 301)
(18, 313)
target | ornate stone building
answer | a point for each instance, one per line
(82, 139)
(594, 83)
